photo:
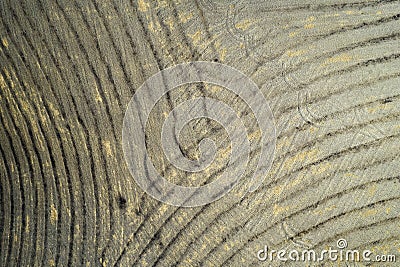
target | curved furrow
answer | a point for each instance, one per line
(260, 235)
(300, 189)
(51, 153)
(92, 167)
(68, 70)
(8, 236)
(365, 26)
(366, 63)
(194, 55)
(34, 164)
(4, 199)
(64, 161)
(328, 7)
(160, 66)
(315, 183)
(322, 228)
(311, 40)
(381, 224)
(324, 159)
(54, 213)
(306, 145)
(95, 168)
(73, 21)
(309, 144)
(138, 65)
(155, 233)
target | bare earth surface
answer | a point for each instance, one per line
(330, 71)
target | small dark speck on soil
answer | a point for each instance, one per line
(122, 202)
(387, 100)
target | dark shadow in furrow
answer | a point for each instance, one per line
(87, 139)
(362, 228)
(118, 52)
(339, 131)
(51, 153)
(49, 148)
(305, 126)
(25, 144)
(203, 21)
(196, 55)
(317, 183)
(379, 240)
(130, 82)
(335, 114)
(235, 229)
(131, 43)
(309, 144)
(81, 122)
(365, 43)
(101, 54)
(361, 44)
(82, 48)
(2, 200)
(329, 157)
(329, 7)
(346, 70)
(347, 89)
(317, 78)
(158, 60)
(388, 221)
(337, 195)
(7, 257)
(73, 145)
(372, 205)
(314, 39)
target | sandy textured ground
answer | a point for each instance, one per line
(330, 71)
